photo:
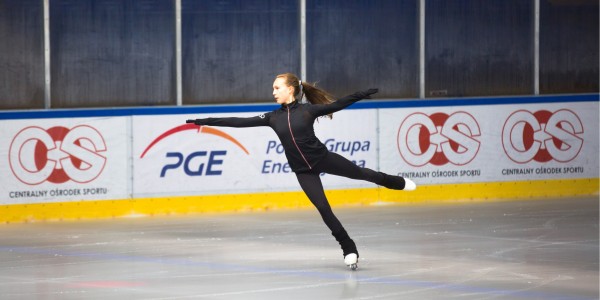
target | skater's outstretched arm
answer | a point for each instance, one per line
(260, 120)
(324, 109)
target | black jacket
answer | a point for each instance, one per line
(293, 124)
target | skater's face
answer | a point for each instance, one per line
(282, 93)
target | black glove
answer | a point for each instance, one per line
(366, 94)
(197, 121)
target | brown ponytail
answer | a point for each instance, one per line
(314, 95)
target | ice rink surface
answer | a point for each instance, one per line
(536, 249)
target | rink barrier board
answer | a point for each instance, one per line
(431, 194)
(172, 205)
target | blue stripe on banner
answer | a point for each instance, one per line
(239, 108)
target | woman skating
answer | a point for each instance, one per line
(306, 154)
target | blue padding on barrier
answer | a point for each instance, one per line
(238, 108)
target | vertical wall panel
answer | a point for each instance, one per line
(478, 48)
(112, 52)
(122, 52)
(232, 49)
(21, 54)
(568, 46)
(358, 44)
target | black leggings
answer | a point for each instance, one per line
(333, 164)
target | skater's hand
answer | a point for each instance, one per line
(197, 121)
(366, 94)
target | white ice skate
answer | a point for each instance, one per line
(409, 185)
(351, 261)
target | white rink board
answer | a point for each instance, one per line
(60, 160)
(63, 159)
(237, 160)
(491, 143)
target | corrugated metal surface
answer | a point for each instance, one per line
(360, 44)
(233, 49)
(477, 48)
(568, 46)
(21, 54)
(112, 52)
(122, 52)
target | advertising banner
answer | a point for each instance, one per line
(174, 158)
(159, 155)
(492, 143)
(60, 160)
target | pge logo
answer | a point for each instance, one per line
(194, 163)
(542, 136)
(57, 155)
(438, 139)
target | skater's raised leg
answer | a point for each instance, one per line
(338, 165)
(397, 183)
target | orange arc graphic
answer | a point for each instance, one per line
(201, 129)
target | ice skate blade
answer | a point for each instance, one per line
(353, 267)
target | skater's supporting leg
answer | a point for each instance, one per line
(348, 245)
(313, 188)
(350, 252)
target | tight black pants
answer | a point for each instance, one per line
(334, 164)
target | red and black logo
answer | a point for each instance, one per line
(438, 139)
(542, 136)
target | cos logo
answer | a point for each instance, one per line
(542, 136)
(57, 155)
(438, 139)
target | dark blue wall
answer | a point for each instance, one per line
(112, 52)
(568, 46)
(232, 50)
(361, 44)
(122, 52)
(476, 48)
(21, 54)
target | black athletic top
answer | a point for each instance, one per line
(293, 124)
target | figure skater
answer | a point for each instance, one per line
(306, 154)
